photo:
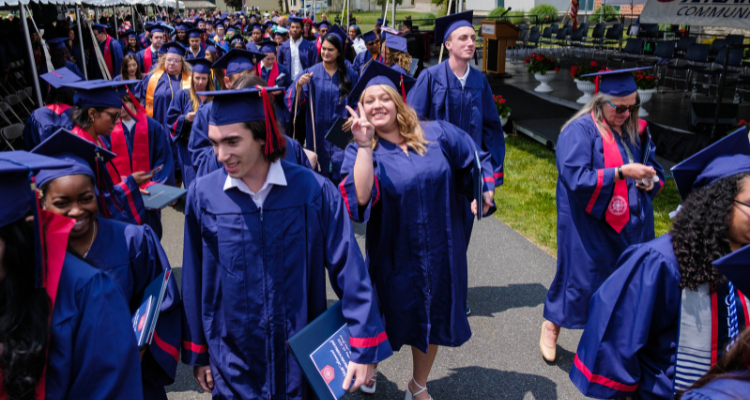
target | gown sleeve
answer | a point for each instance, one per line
(296, 154)
(628, 306)
(125, 202)
(348, 190)
(149, 262)
(105, 362)
(419, 96)
(194, 345)
(351, 281)
(201, 151)
(591, 187)
(162, 154)
(176, 114)
(492, 133)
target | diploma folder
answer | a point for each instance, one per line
(144, 319)
(337, 136)
(478, 183)
(323, 350)
(161, 196)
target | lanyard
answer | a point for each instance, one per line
(628, 152)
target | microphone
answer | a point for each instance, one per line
(506, 11)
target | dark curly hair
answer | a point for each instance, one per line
(24, 314)
(699, 232)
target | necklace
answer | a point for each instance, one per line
(92, 240)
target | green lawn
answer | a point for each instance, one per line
(366, 20)
(526, 200)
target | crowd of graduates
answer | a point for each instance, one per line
(242, 110)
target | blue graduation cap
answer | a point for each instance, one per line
(99, 27)
(154, 28)
(369, 36)
(57, 43)
(339, 33)
(195, 33)
(129, 33)
(199, 21)
(617, 83)
(244, 105)
(324, 24)
(726, 157)
(60, 77)
(238, 60)
(444, 26)
(294, 19)
(267, 46)
(182, 27)
(173, 48)
(736, 267)
(378, 73)
(200, 65)
(209, 23)
(237, 38)
(230, 30)
(380, 21)
(176, 18)
(396, 43)
(269, 24)
(258, 27)
(100, 93)
(17, 183)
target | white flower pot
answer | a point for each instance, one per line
(645, 97)
(587, 88)
(504, 121)
(544, 81)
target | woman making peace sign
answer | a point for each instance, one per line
(404, 179)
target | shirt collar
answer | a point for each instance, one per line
(275, 177)
(297, 42)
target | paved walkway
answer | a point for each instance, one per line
(508, 280)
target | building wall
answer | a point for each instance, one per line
(481, 5)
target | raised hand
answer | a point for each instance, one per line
(304, 79)
(362, 130)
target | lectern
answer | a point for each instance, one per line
(498, 35)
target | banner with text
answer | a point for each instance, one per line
(720, 13)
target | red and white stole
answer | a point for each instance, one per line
(618, 212)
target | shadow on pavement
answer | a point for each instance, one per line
(486, 383)
(564, 359)
(488, 300)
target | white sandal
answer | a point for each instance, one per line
(374, 380)
(410, 396)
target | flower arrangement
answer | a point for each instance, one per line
(502, 107)
(582, 69)
(541, 63)
(645, 81)
(739, 125)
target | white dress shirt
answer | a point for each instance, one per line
(462, 79)
(275, 177)
(296, 63)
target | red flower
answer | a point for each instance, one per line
(533, 54)
(574, 68)
(742, 122)
(540, 58)
(557, 69)
(594, 64)
(639, 76)
(502, 101)
(526, 61)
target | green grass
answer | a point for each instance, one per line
(527, 203)
(366, 19)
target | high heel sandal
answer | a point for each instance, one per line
(410, 396)
(374, 380)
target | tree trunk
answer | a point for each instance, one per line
(286, 6)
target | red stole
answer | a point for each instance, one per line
(148, 59)
(58, 108)
(272, 76)
(618, 212)
(82, 133)
(108, 56)
(318, 44)
(141, 151)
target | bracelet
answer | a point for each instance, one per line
(619, 172)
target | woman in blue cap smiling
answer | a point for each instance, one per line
(666, 314)
(65, 329)
(607, 181)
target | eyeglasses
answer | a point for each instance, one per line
(622, 109)
(744, 204)
(173, 60)
(115, 117)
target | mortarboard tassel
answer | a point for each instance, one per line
(274, 140)
(403, 89)
(596, 84)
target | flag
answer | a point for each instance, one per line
(574, 12)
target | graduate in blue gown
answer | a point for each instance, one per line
(365, 58)
(663, 317)
(129, 43)
(149, 56)
(275, 74)
(322, 91)
(129, 253)
(195, 50)
(308, 55)
(439, 95)
(262, 232)
(602, 207)
(405, 180)
(111, 53)
(63, 314)
(182, 111)
(56, 114)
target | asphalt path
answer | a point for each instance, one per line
(508, 280)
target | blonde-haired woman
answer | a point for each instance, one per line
(396, 54)
(157, 89)
(608, 176)
(182, 112)
(404, 178)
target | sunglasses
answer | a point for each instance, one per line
(373, 43)
(622, 109)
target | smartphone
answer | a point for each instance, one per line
(155, 170)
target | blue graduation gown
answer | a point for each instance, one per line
(134, 257)
(160, 152)
(722, 389)
(588, 247)
(284, 79)
(145, 41)
(189, 53)
(181, 105)
(92, 349)
(132, 87)
(250, 46)
(140, 56)
(328, 106)
(253, 278)
(74, 68)
(42, 123)
(116, 50)
(361, 61)
(131, 51)
(415, 241)
(400, 70)
(165, 91)
(202, 152)
(308, 55)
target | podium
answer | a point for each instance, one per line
(498, 35)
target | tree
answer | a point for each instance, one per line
(383, 3)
